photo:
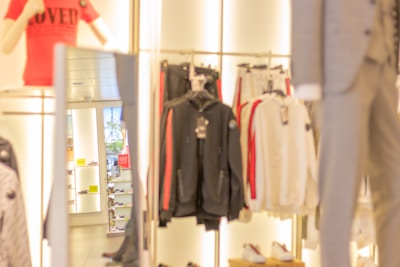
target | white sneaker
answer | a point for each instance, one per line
(365, 262)
(252, 253)
(280, 252)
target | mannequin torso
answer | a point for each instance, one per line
(47, 23)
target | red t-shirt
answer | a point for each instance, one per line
(58, 24)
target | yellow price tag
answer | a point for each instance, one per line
(93, 188)
(81, 162)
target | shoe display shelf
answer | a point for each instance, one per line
(270, 262)
(87, 179)
(83, 174)
(83, 188)
(71, 176)
(119, 199)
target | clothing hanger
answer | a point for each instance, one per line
(260, 67)
(198, 82)
(164, 63)
(192, 72)
(278, 67)
(243, 65)
(248, 69)
(198, 91)
(279, 92)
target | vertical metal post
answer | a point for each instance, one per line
(42, 177)
(217, 244)
(297, 222)
(220, 49)
(134, 19)
(373, 253)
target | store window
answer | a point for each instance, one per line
(113, 138)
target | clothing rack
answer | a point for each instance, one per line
(31, 93)
(297, 220)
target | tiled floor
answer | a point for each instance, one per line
(88, 243)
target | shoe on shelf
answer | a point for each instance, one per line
(111, 189)
(365, 262)
(85, 191)
(92, 163)
(252, 253)
(280, 252)
(119, 191)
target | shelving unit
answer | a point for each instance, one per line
(119, 183)
(83, 175)
(70, 166)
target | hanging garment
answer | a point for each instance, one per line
(200, 160)
(252, 82)
(243, 123)
(14, 241)
(175, 82)
(363, 228)
(7, 154)
(282, 160)
(363, 231)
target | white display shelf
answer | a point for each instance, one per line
(119, 181)
(122, 206)
(120, 219)
(86, 203)
(72, 208)
(115, 233)
(123, 193)
(86, 166)
(89, 193)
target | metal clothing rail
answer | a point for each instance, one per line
(26, 94)
(25, 113)
(200, 52)
(36, 92)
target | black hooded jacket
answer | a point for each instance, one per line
(200, 172)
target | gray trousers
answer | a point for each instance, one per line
(127, 253)
(360, 134)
